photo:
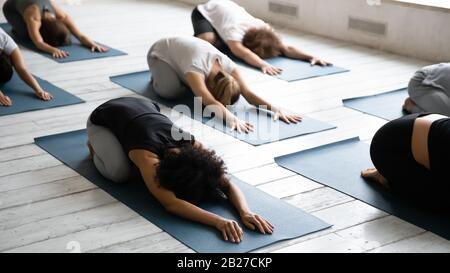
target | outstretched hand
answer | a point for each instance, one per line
(318, 61)
(92, 45)
(5, 100)
(255, 222)
(231, 231)
(98, 48)
(59, 54)
(240, 126)
(287, 118)
(271, 70)
(43, 95)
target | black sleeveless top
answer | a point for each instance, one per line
(138, 124)
(22, 5)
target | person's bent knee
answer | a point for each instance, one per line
(210, 37)
(165, 80)
(109, 157)
(169, 90)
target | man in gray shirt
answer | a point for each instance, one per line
(11, 57)
(429, 90)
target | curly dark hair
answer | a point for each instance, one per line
(193, 173)
(264, 42)
(6, 69)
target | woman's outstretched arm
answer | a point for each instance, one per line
(251, 220)
(68, 21)
(25, 75)
(295, 53)
(199, 88)
(147, 162)
(257, 101)
(32, 18)
(242, 52)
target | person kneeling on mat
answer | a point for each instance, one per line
(46, 24)
(411, 156)
(429, 90)
(178, 171)
(11, 57)
(224, 23)
(210, 75)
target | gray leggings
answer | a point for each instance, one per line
(427, 98)
(165, 80)
(109, 157)
(15, 19)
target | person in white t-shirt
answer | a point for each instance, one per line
(11, 58)
(211, 75)
(225, 23)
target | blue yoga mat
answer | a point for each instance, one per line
(338, 165)
(25, 100)
(295, 70)
(76, 50)
(266, 130)
(289, 221)
(385, 105)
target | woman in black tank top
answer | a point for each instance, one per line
(411, 156)
(176, 168)
(46, 25)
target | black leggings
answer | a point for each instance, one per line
(391, 154)
(202, 25)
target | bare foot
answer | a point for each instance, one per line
(91, 150)
(408, 105)
(373, 175)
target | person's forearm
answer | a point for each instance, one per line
(250, 96)
(67, 20)
(44, 47)
(254, 60)
(248, 56)
(237, 198)
(294, 53)
(191, 212)
(257, 101)
(220, 111)
(29, 79)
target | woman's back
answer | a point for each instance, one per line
(189, 54)
(138, 124)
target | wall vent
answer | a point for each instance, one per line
(368, 26)
(283, 8)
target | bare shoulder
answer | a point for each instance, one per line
(141, 156)
(32, 12)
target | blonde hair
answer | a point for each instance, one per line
(225, 89)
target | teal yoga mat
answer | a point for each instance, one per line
(289, 221)
(76, 50)
(338, 165)
(266, 130)
(24, 99)
(385, 105)
(295, 70)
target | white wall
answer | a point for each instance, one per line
(411, 30)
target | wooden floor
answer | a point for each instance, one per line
(47, 207)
